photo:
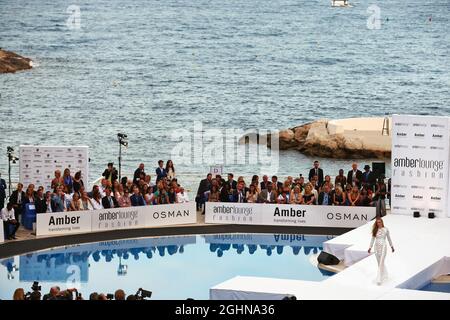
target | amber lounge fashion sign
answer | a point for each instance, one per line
(420, 164)
(287, 215)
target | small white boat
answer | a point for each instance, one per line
(340, 3)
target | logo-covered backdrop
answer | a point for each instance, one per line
(420, 158)
(37, 164)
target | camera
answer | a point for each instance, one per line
(109, 296)
(142, 294)
(36, 286)
(36, 292)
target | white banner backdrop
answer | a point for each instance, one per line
(59, 223)
(420, 164)
(115, 219)
(37, 164)
(119, 218)
(232, 213)
(288, 215)
(167, 214)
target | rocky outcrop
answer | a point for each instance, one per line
(12, 62)
(315, 139)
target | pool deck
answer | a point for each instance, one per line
(422, 254)
(28, 242)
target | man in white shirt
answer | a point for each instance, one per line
(182, 196)
(104, 185)
(7, 215)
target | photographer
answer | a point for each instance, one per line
(35, 295)
(110, 173)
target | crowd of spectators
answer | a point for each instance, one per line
(68, 193)
(357, 188)
(56, 293)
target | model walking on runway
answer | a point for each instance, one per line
(379, 235)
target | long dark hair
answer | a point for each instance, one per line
(375, 227)
(167, 165)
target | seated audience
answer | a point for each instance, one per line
(182, 196)
(9, 220)
(308, 197)
(325, 197)
(296, 195)
(267, 195)
(109, 201)
(339, 198)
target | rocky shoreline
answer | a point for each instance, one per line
(330, 139)
(11, 62)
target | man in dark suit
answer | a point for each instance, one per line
(136, 199)
(137, 174)
(354, 176)
(17, 198)
(110, 173)
(239, 193)
(161, 172)
(316, 171)
(368, 177)
(205, 185)
(325, 197)
(2, 192)
(109, 201)
(275, 183)
(231, 182)
(265, 182)
(267, 195)
(39, 202)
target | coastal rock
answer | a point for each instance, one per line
(343, 139)
(287, 140)
(11, 62)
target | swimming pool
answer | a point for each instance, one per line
(175, 267)
(437, 287)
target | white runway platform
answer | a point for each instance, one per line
(422, 252)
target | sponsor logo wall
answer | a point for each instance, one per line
(288, 215)
(420, 164)
(115, 219)
(37, 164)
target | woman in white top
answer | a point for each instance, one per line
(379, 236)
(182, 196)
(252, 194)
(296, 196)
(75, 203)
(170, 169)
(86, 203)
(149, 196)
(97, 201)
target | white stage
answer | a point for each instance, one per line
(422, 253)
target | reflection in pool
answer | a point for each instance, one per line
(177, 267)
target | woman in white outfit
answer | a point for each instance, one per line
(379, 235)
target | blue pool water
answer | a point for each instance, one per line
(177, 267)
(438, 287)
